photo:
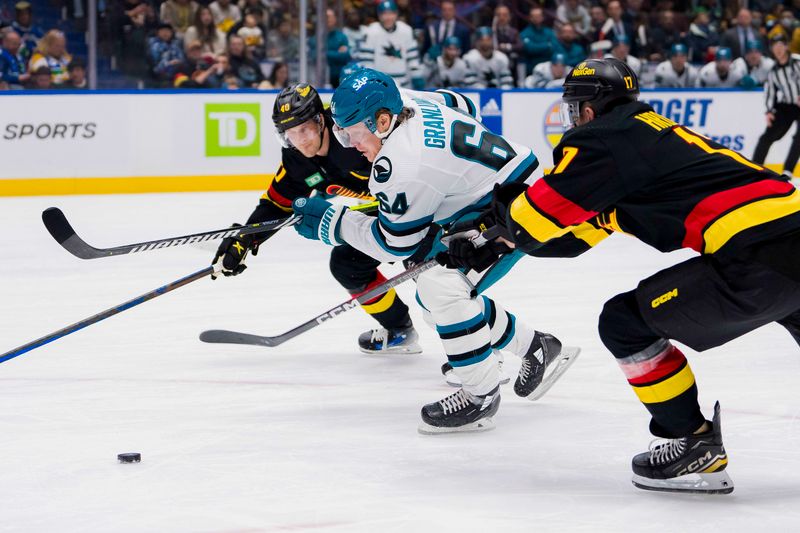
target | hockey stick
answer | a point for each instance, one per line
(200, 274)
(234, 337)
(62, 231)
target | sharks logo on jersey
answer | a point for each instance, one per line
(382, 169)
(390, 51)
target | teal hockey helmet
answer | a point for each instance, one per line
(361, 95)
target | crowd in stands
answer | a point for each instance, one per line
(421, 43)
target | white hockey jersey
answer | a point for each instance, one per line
(709, 77)
(758, 73)
(492, 72)
(392, 52)
(459, 74)
(667, 77)
(542, 77)
(436, 167)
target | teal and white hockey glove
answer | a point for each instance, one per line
(321, 220)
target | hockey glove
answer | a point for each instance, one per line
(231, 254)
(497, 214)
(321, 220)
(462, 252)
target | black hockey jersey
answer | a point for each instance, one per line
(637, 172)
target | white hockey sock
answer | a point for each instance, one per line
(508, 333)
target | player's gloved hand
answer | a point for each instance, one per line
(463, 253)
(321, 220)
(231, 254)
(496, 215)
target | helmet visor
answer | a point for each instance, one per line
(301, 134)
(352, 135)
(570, 114)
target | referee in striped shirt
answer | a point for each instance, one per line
(782, 92)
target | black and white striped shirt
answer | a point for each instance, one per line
(783, 83)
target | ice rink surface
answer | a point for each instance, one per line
(313, 435)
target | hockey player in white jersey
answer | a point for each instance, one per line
(492, 67)
(434, 164)
(676, 71)
(448, 69)
(389, 46)
(753, 67)
(718, 73)
(550, 74)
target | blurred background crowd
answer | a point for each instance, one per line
(421, 43)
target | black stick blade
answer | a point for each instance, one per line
(59, 227)
(223, 336)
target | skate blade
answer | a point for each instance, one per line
(451, 379)
(411, 350)
(713, 483)
(484, 424)
(559, 365)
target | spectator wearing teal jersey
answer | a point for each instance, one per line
(337, 48)
(538, 41)
(567, 44)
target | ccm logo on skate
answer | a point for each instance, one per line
(702, 462)
(74, 130)
(664, 298)
(337, 311)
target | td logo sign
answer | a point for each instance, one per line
(233, 130)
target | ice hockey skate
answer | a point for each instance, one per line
(542, 365)
(452, 379)
(460, 412)
(389, 341)
(690, 464)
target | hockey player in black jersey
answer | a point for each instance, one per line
(313, 160)
(625, 168)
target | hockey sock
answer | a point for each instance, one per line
(388, 309)
(507, 333)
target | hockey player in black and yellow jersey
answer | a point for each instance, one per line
(624, 168)
(313, 160)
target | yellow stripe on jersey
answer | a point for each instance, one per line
(537, 225)
(359, 176)
(381, 305)
(589, 234)
(668, 389)
(748, 216)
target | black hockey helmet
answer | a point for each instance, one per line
(602, 83)
(294, 105)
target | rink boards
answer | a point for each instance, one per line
(164, 141)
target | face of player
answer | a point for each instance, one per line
(485, 46)
(451, 53)
(306, 137)
(723, 66)
(557, 70)
(621, 51)
(678, 62)
(360, 137)
(388, 19)
(753, 58)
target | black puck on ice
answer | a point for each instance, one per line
(129, 457)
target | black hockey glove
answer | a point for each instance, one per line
(232, 252)
(495, 216)
(462, 253)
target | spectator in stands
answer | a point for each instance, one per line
(278, 78)
(444, 27)
(202, 71)
(338, 48)
(538, 41)
(738, 36)
(788, 27)
(41, 79)
(450, 70)
(252, 35)
(131, 23)
(620, 49)
(567, 44)
(598, 19)
(491, 66)
(663, 36)
(753, 67)
(354, 30)
(179, 14)
(575, 14)
(24, 26)
(283, 45)
(718, 73)
(548, 75)
(52, 53)
(676, 71)
(506, 36)
(702, 40)
(204, 30)
(77, 75)
(13, 64)
(226, 14)
(165, 54)
(242, 65)
(408, 15)
(618, 26)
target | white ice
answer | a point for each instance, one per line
(314, 436)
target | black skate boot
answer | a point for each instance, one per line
(690, 464)
(453, 380)
(384, 341)
(461, 411)
(545, 356)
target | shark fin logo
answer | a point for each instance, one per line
(382, 169)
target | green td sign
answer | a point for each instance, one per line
(233, 130)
